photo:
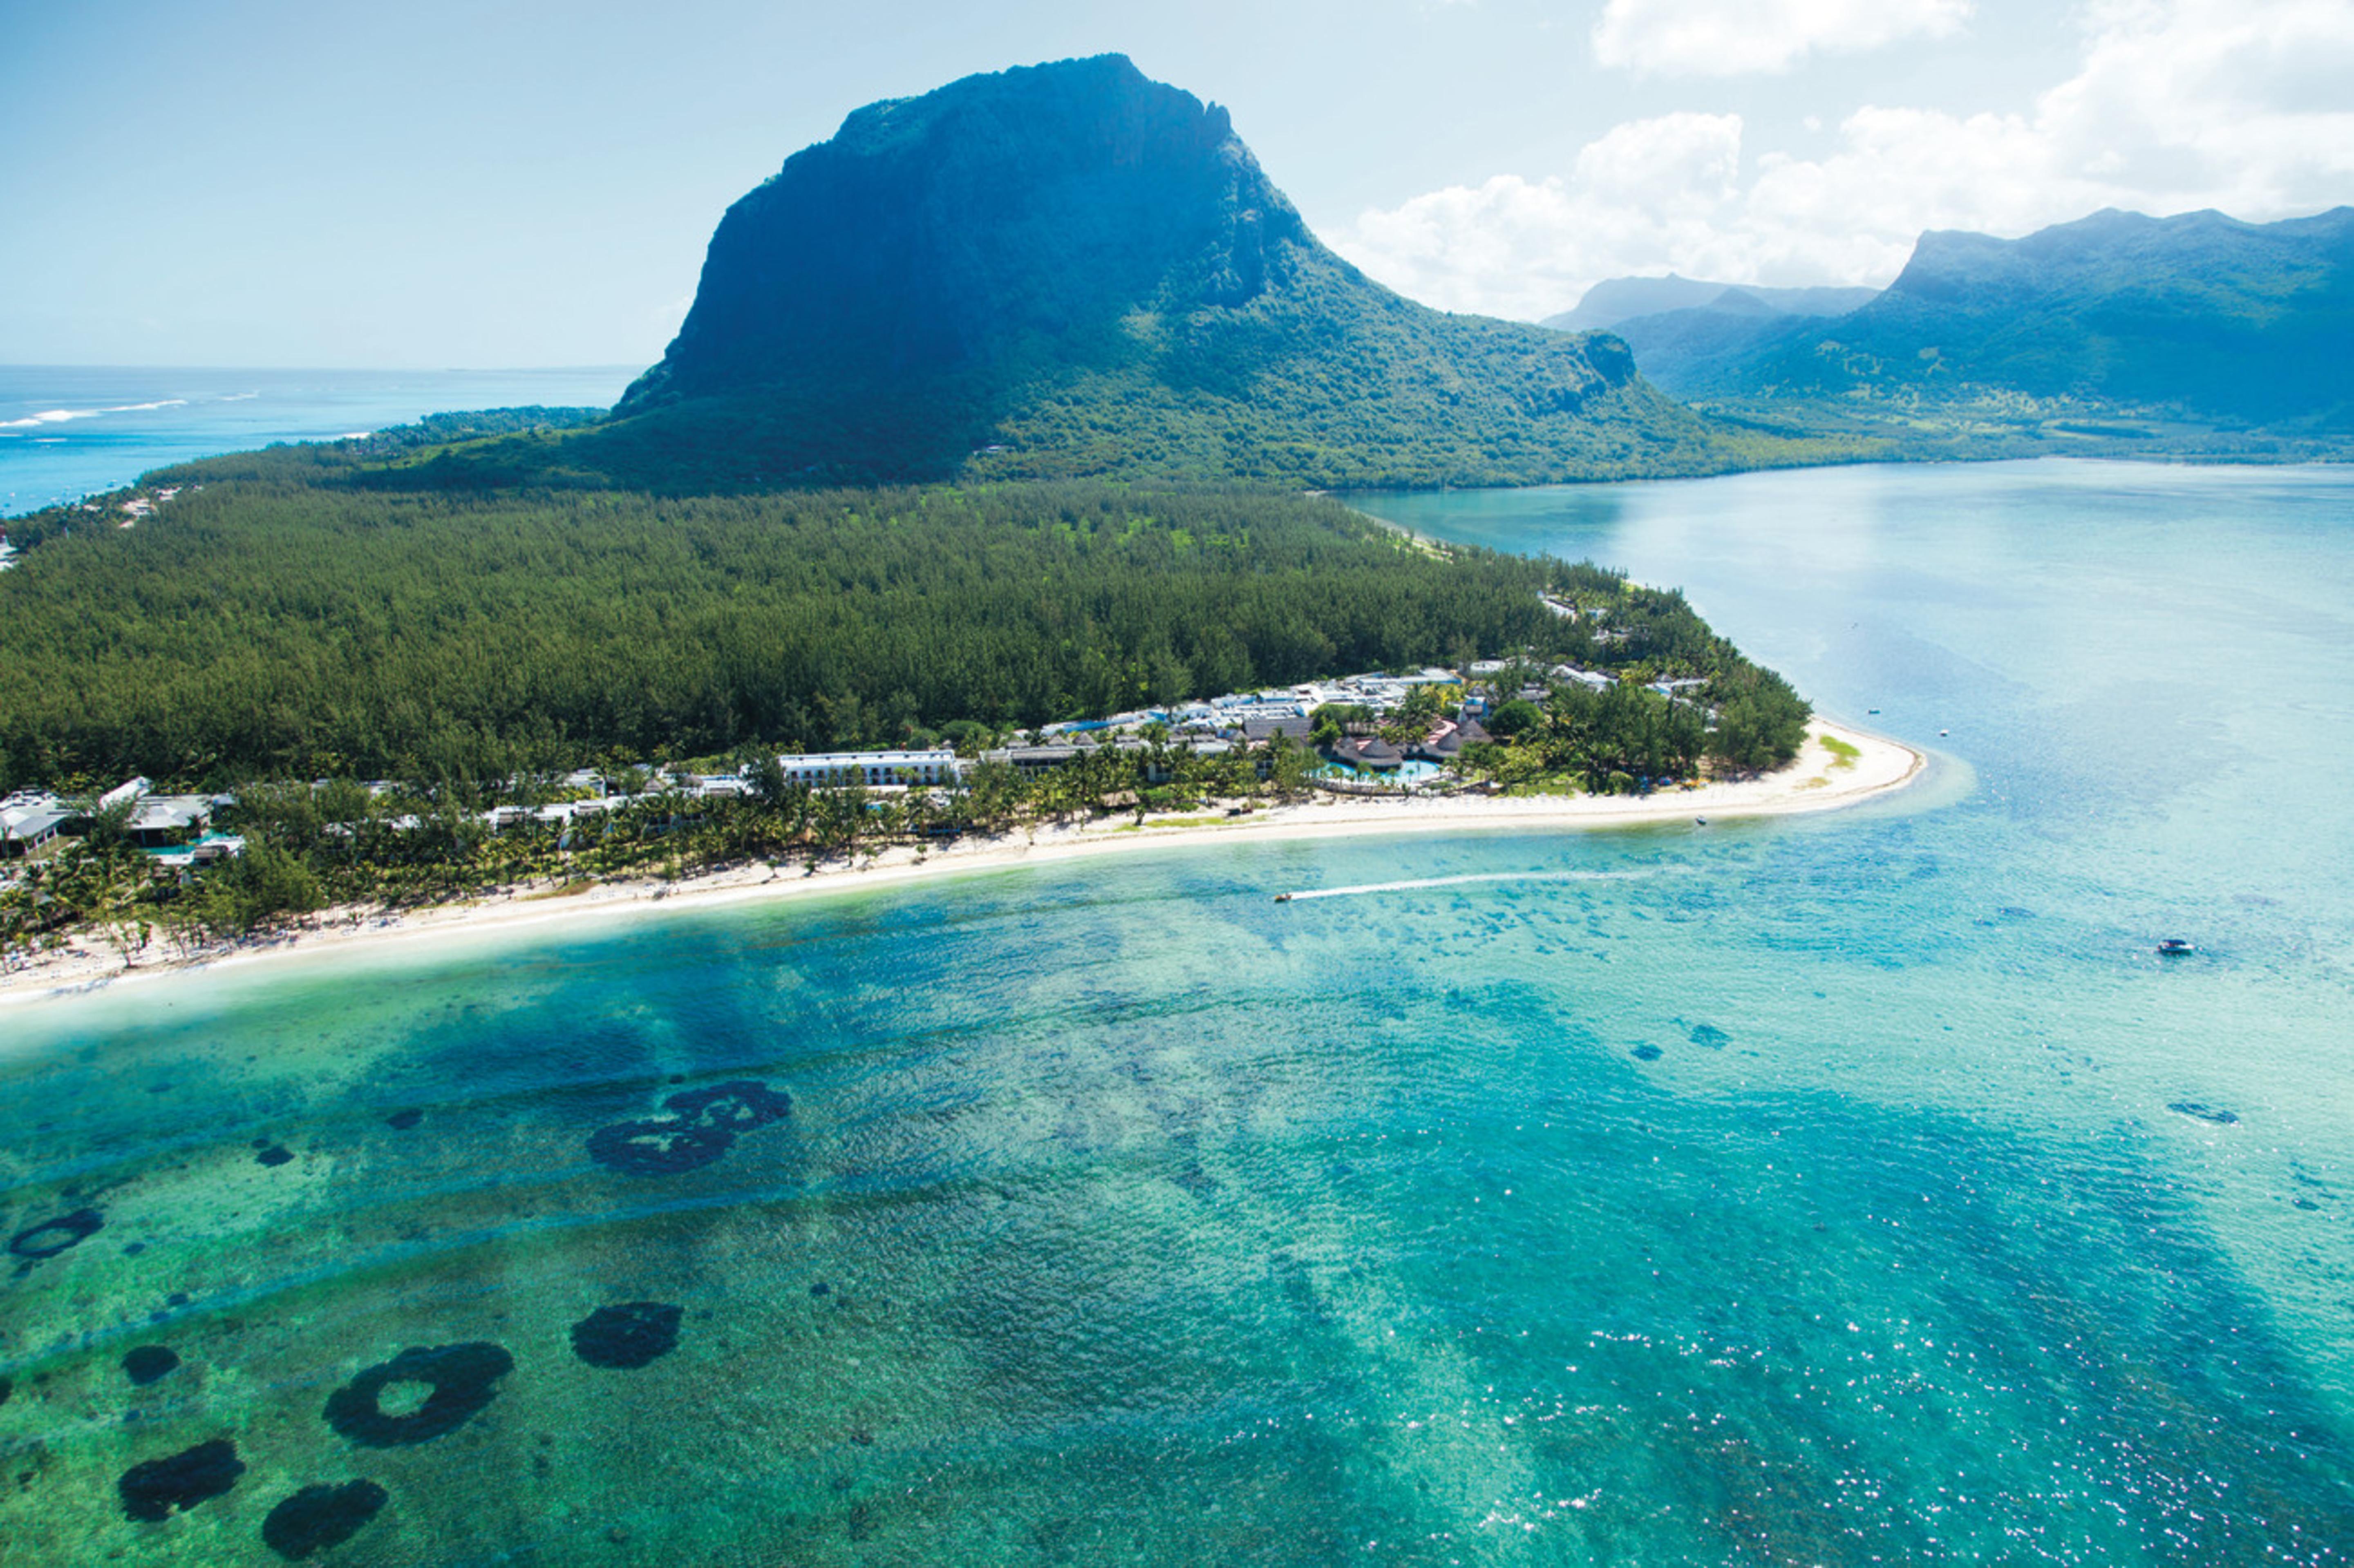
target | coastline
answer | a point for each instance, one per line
(1818, 782)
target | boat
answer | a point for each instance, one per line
(1283, 898)
(2175, 947)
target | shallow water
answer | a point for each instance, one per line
(69, 430)
(1795, 1191)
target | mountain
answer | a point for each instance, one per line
(1071, 270)
(1615, 300)
(1680, 327)
(2197, 318)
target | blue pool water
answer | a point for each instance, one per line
(1405, 773)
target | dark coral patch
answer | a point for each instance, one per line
(148, 1362)
(151, 1490)
(630, 1335)
(404, 1119)
(701, 1128)
(8, 1387)
(1646, 1052)
(317, 1518)
(741, 1105)
(658, 1148)
(51, 1237)
(464, 1378)
(2215, 1114)
(276, 1154)
(1710, 1035)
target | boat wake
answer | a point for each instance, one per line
(1372, 887)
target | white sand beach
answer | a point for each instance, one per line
(1820, 780)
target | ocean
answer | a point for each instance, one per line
(66, 431)
(1852, 1189)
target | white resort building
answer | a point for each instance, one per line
(835, 770)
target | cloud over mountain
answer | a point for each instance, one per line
(2172, 105)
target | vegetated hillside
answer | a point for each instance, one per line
(293, 628)
(1681, 328)
(2198, 318)
(1682, 349)
(1069, 270)
(1617, 299)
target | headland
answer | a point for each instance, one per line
(1837, 766)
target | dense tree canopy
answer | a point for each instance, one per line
(290, 623)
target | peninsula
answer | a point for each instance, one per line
(1836, 766)
(531, 653)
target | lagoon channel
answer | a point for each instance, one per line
(1845, 1188)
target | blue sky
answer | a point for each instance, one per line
(260, 182)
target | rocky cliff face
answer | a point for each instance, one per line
(944, 231)
(1071, 269)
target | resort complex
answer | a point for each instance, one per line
(205, 868)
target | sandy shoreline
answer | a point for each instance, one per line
(1817, 782)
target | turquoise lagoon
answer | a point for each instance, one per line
(1797, 1191)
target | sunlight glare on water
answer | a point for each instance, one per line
(1837, 1190)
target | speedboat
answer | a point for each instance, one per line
(2175, 947)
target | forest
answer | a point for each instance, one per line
(280, 623)
(386, 676)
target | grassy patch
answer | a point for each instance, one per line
(577, 884)
(1842, 753)
(1559, 784)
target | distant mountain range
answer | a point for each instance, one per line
(1071, 270)
(1618, 299)
(1677, 324)
(2198, 319)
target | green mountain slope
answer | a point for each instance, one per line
(1072, 271)
(2198, 318)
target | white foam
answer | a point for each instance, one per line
(1462, 881)
(59, 416)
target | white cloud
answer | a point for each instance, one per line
(2174, 105)
(1733, 37)
(1515, 247)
